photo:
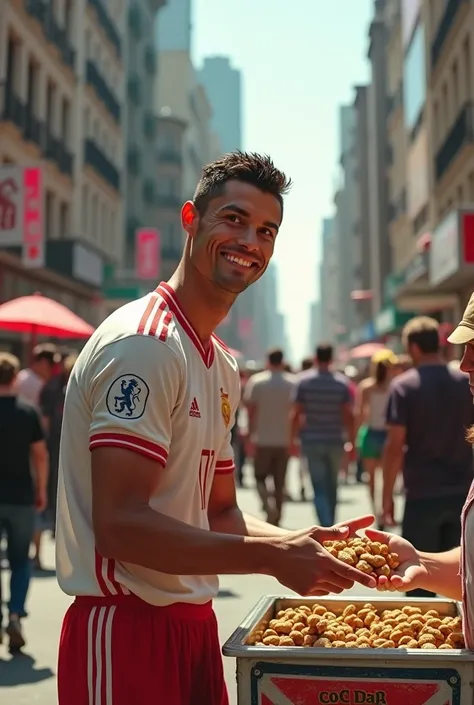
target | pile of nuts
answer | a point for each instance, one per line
(368, 556)
(361, 627)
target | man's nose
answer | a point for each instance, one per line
(249, 238)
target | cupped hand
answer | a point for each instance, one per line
(352, 526)
(411, 573)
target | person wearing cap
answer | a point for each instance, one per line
(449, 573)
(428, 411)
(371, 415)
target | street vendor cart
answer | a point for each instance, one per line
(278, 675)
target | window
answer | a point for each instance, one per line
(50, 96)
(455, 86)
(460, 195)
(63, 220)
(444, 109)
(414, 79)
(65, 121)
(32, 99)
(48, 214)
(466, 60)
(436, 123)
(85, 208)
(93, 227)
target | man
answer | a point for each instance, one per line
(324, 419)
(22, 489)
(51, 401)
(429, 409)
(31, 380)
(268, 397)
(149, 518)
(450, 573)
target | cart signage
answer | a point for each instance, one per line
(397, 687)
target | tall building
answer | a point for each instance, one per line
(329, 278)
(61, 109)
(223, 86)
(173, 29)
(449, 35)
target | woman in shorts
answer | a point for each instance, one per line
(371, 411)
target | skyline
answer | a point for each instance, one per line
(310, 155)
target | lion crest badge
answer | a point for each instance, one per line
(225, 408)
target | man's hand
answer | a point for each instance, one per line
(411, 574)
(294, 450)
(388, 514)
(306, 567)
(41, 500)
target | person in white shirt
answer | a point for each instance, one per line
(31, 380)
(450, 573)
(147, 511)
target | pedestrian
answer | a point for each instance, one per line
(429, 408)
(323, 417)
(449, 573)
(29, 383)
(51, 401)
(23, 490)
(148, 518)
(31, 380)
(306, 364)
(371, 416)
(268, 397)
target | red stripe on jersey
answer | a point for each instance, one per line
(125, 440)
(144, 319)
(164, 329)
(221, 343)
(100, 576)
(224, 467)
(156, 319)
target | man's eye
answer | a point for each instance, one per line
(234, 218)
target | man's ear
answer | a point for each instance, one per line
(190, 218)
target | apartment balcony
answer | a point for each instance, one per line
(168, 155)
(35, 129)
(444, 28)
(135, 21)
(56, 35)
(461, 133)
(94, 79)
(56, 151)
(14, 110)
(107, 25)
(169, 200)
(134, 89)
(95, 158)
(150, 126)
(134, 160)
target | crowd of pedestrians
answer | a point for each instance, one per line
(31, 407)
(398, 425)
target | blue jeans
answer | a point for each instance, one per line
(17, 522)
(324, 462)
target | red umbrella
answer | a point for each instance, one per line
(363, 351)
(38, 315)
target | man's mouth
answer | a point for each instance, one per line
(239, 260)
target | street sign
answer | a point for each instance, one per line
(33, 225)
(147, 253)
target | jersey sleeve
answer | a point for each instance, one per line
(225, 463)
(134, 386)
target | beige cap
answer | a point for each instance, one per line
(464, 333)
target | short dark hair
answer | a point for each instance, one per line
(275, 357)
(423, 332)
(46, 351)
(9, 368)
(249, 167)
(324, 353)
(307, 363)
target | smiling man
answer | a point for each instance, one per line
(149, 517)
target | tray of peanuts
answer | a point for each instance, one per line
(385, 649)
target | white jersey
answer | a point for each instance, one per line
(144, 382)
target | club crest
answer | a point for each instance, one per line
(225, 407)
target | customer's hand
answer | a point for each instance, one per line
(411, 574)
(303, 564)
(41, 500)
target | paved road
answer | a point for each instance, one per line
(30, 678)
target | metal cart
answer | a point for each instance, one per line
(314, 676)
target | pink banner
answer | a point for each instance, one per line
(33, 225)
(147, 253)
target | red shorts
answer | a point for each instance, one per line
(122, 651)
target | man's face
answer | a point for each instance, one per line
(233, 242)
(467, 363)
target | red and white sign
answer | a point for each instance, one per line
(33, 225)
(452, 247)
(302, 690)
(147, 253)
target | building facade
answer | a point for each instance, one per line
(61, 101)
(223, 85)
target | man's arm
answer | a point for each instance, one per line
(392, 462)
(348, 420)
(40, 458)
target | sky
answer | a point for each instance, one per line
(300, 60)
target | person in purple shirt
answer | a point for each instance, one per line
(429, 409)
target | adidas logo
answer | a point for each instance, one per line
(194, 410)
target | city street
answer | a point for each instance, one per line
(30, 678)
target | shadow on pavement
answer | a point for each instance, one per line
(44, 573)
(227, 593)
(20, 670)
